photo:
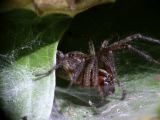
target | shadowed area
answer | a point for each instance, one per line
(114, 22)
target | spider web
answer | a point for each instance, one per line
(142, 99)
(16, 85)
(19, 92)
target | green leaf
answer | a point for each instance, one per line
(29, 47)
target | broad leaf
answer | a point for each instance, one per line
(29, 47)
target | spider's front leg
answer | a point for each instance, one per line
(70, 63)
(114, 75)
(110, 67)
(60, 59)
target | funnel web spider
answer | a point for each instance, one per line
(97, 69)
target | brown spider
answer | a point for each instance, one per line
(97, 69)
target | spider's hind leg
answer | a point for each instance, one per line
(144, 55)
(132, 38)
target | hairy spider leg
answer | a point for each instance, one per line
(108, 58)
(132, 38)
(45, 74)
(110, 68)
(120, 84)
(87, 72)
(89, 66)
(76, 73)
(140, 53)
(64, 61)
(60, 56)
(76, 66)
(144, 55)
(91, 48)
(94, 76)
(98, 79)
(123, 44)
(94, 72)
(109, 62)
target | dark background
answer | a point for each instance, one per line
(113, 21)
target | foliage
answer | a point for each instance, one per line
(29, 47)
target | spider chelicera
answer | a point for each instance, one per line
(97, 69)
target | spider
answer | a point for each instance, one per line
(97, 69)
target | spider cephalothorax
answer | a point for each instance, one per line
(97, 69)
